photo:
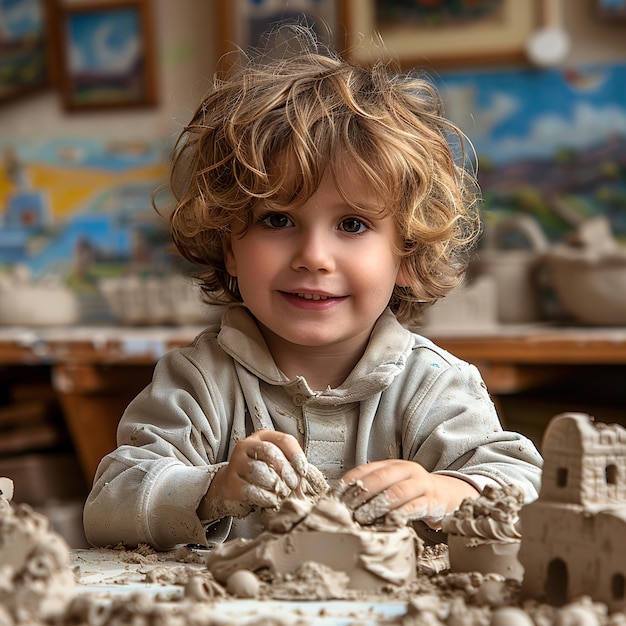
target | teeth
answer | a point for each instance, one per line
(312, 296)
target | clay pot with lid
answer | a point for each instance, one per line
(515, 271)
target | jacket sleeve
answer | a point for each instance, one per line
(453, 428)
(171, 440)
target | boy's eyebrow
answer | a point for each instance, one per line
(372, 208)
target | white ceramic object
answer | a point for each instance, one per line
(7, 488)
(549, 45)
(589, 274)
(46, 302)
(155, 300)
(590, 284)
(470, 306)
(515, 271)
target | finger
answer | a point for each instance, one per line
(272, 456)
(365, 481)
(401, 480)
(264, 476)
(315, 483)
(289, 446)
(361, 471)
(403, 492)
(360, 491)
(300, 463)
(422, 509)
(354, 494)
(373, 509)
(257, 496)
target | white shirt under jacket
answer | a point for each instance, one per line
(406, 398)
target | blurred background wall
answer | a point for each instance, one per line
(78, 171)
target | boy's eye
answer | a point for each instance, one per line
(353, 225)
(276, 220)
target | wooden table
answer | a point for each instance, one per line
(516, 358)
(97, 370)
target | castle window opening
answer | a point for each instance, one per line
(611, 474)
(561, 477)
(557, 583)
(618, 586)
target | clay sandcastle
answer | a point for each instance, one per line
(574, 535)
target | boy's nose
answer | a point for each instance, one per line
(314, 252)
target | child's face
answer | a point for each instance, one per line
(322, 274)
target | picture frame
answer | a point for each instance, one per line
(612, 9)
(243, 23)
(25, 66)
(105, 52)
(497, 35)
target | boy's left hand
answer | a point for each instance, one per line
(404, 487)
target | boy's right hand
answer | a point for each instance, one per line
(263, 470)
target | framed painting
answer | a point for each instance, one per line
(105, 53)
(442, 34)
(24, 48)
(244, 23)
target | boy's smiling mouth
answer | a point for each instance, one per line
(313, 296)
(305, 297)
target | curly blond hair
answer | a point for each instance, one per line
(269, 129)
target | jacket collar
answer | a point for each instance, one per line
(384, 358)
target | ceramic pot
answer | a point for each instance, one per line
(515, 271)
(468, 554)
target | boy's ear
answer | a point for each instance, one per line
(402, 277)
(229, 258)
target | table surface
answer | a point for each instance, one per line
(105, 573)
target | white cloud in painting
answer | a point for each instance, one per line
(103, 55)
(19, 19)
(584, 125)
(115, 58)
(587, 125)
(460, 106)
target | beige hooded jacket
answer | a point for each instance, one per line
(406, 398)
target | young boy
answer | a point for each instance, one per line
(323, 201)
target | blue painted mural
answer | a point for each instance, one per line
(81, 209)
(550, 143)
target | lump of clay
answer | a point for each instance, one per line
(484, 533)
(37, 582)
(243, 584)
(372, 557)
